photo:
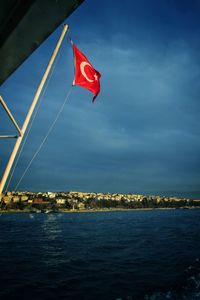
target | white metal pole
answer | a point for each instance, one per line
(30, 112)
(9, 114)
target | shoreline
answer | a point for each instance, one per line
(11, 211)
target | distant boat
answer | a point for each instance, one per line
(48, 211)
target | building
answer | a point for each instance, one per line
(61, 201)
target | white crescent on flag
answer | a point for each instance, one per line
(82, 68)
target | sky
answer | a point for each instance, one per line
(142, 134)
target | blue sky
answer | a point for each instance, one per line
(142, 133)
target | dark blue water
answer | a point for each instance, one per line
(111, 255)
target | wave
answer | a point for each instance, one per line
(188, 289)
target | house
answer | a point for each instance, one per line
(51, 195)
(16, 199)
(81, 206)
(24, 198)
(61, 201)
(6, 199)
(39, 201)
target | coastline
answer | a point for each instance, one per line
(80, 202)
(11, 211)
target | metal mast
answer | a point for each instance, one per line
(29, 114)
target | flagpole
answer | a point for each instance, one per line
(30, 112)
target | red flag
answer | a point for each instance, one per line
(85, 75)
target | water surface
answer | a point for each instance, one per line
(111, 255)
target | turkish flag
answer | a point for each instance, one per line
(85, 75)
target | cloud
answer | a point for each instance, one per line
(141, 135)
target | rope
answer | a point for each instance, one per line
(69, 35)
(32, 121)
(45, 138)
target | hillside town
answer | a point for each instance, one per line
(83, 201)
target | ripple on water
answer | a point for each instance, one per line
(126, 255)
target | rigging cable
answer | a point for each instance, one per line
(32, 121)
(45, 138)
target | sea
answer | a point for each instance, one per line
(150, 255)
